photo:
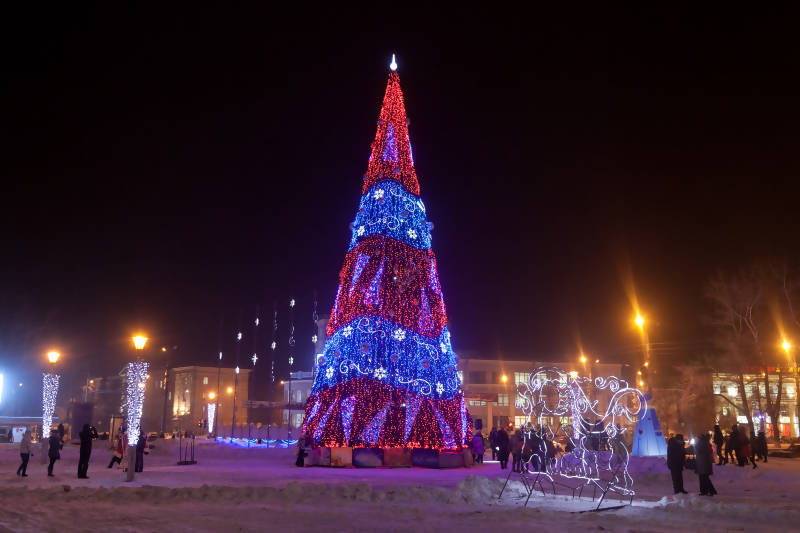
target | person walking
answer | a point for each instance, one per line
(719, 441)
(493, 443)
(141, 444)
(744, 451)
(119, 449)
(477, 447)
(762, 446)
(735, 445)
(503, 448)
(516, 451)
(53, 451)
(704, 459)
(86, 435)
(676, 459)
(24, 453)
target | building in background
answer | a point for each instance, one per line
(192, 388)
(728, 402)
(295, 393)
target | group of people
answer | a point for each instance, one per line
(55, 443)
(737, 448)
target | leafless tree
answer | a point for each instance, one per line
(740, 304)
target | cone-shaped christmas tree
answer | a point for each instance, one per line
(388, 376)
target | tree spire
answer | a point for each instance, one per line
(391, 156)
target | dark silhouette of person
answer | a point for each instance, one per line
(53, 450)
(86, 435)
(676, 459)
(704, 460)
(719, 440)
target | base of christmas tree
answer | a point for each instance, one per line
(388, 457)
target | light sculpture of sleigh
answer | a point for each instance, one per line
(595, 455)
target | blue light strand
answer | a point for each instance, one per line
(447, 432)
(373, 431)
(348, 406)
(412, 408)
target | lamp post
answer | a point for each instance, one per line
(50, 381)
(134, 400)
(787, 347)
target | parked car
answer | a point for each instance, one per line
(791, 451)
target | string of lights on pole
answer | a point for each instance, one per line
(136, 376)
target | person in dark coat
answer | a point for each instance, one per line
(141, 444)
(676, 459)
(86, 435)
(734, 445)
(493, 443)
(744, 451)
(503, 447)
(719, 441)
(704, 459)
(61, 432)
(763, 452)
(516, 451)
(53, 451)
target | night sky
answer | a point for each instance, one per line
(169, 168)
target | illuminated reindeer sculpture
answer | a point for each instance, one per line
(595, 454)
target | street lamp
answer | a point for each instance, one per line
(504, 378)
(139, 341)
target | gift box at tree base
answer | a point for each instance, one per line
(387, 390)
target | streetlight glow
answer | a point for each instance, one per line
(786, 346)
(53, 357)
(583, 359)
(639, 321)
(504, 378)
(139, 341)
(211, 395)
(230, 390)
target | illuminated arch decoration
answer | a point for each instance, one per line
(387, 375)
(596, 455)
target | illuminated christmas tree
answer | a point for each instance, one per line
(388, 375)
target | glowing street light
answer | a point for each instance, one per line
(504, 378)
(787, 346)
(583, 359)
(639, 321)
(139, 341)
(211, 395)
(53, 357)
(230, 390)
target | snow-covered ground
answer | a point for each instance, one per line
(232, 489)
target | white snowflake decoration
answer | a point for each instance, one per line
(443, 346)
(291, 360)
(412, 233)
(380, 373)
(314, 338)
(439, 387)
(360, 231)
(273, 345)
(378, 194)
(254, 358)
(329, 372)
(399, 334)
(347, 331)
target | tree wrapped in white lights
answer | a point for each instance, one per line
(134, 400)
(212, 409)
(49, 395)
